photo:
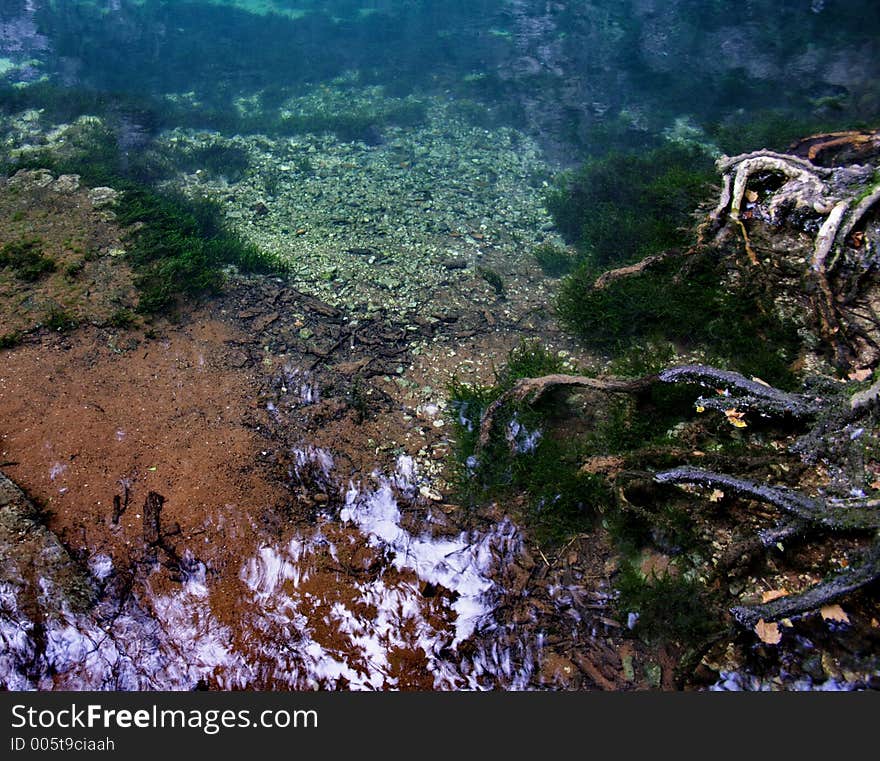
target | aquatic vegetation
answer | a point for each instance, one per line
(217, 159)
(625, 206)
(554, 261)
(523, 457)
(667, 607)
(493, 279)
(122, 319)
(10, 340)
(683, 301)
(362, 122)
(181, 247)
(73, 270)
(25, 258)
(59, 320)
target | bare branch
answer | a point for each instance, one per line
(532, 389)
(755, 395)
(785, 607)
(816, 511)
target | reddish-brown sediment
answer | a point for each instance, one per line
(84, 422)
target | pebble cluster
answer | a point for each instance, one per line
(383, 223)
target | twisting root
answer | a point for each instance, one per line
(830, 192)
(816, 511)
(532, 389)
(847, 581)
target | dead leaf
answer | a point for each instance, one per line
(834, 613)
(716, 496)
(762, 382)
(609, 465)
(773, 594)
(735, 418)
(768, 633)
(859, 375)
(751, 196)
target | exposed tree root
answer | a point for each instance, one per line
(840, 517)
(855, 144)
(802, 514)
(814, 598)
(842, 195)
(754, 394)
(606, 278)
(532, 389)
(744, 393)
(831, 204)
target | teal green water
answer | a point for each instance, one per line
(582, 76)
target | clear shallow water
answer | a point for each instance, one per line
(377, 127)
(301, 620)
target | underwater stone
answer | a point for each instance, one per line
(102, 196)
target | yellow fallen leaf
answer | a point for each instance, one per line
(875, 624)
(735, 418)
(716, 496)
(773, 594)
(700, 408)
(834, 613)
(751, 196)
(768, 633)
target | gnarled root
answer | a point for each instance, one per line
(532, 389)
(814, 598)
(836, 517)
(747, 394)
(806, 512)
(842, 195)
(744, 393)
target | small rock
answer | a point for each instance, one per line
(66, 183)
(264, 321)
(455, 264)
(237, 358)
(430, 494)
(31, 178)
(654, 674)
(102, 196)
(557, 670)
